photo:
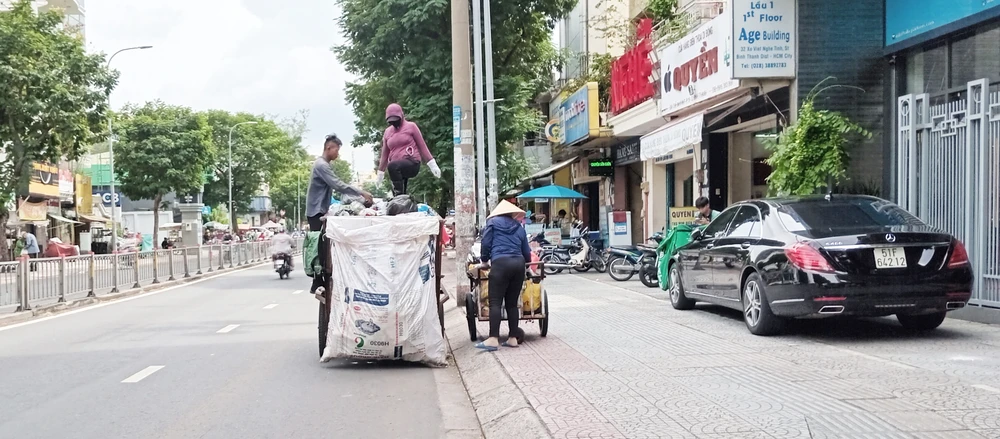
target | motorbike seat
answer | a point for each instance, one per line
(625, 248)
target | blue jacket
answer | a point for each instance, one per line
(504, 237)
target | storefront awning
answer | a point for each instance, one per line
(94, 218)
(63, 219)
(686, 132)
(552, 169)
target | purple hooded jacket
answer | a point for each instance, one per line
(404, 143)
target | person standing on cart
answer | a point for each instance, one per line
(505, 250)
(324, 182)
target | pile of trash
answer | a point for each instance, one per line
(398, 205)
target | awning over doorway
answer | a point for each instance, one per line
(63, 219)
(94, 218)
(552, 169)
(686, 132)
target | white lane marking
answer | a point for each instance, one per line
(271, 306)
(227, 329)
(297, 292)
(142, 374)
(123, 300)
(986, 388)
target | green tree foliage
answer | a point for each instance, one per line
(53, 98)
(401, 52)
(163, 149)
(813, 153)
(383, 190)
(261, 152)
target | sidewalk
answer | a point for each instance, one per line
(622, 364)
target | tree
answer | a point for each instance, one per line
(163, 149)
(53, 98)
(378, 190)
(401, 52)
(261, 152)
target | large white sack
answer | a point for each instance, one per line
(384, 299)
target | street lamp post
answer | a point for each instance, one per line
(232, 212)
(111, 152)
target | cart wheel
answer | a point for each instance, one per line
(324, 325)
(470, 314)
(543, 324)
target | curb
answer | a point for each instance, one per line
(503, 410)
(58, 308)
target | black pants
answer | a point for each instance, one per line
(316, 225)
(506, 280)
(400, 173)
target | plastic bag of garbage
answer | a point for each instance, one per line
(401, 204)
(383, 276)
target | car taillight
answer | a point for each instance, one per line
(959, 256)
(807, 258)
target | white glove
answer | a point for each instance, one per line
(434, 168)
(378, 178)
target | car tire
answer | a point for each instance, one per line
(677, 298)
(757, 313)
(620, 262)
(923, 322)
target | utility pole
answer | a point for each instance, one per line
(465, 198)
(491, 120)
(477, 50)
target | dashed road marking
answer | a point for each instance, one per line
(271, 306)
(227, 329)
(142, 374)
(297, 292)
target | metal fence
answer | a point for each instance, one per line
(38, 282)
(948, 173)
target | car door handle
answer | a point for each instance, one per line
(745, 245)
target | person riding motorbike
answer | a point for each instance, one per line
(281, 246)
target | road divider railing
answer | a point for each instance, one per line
(29, 283)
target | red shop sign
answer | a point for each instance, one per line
(630, 73)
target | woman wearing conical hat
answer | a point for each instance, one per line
(505, 249)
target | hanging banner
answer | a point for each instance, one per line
(764, 39)
(84, 195)
(44, 180)
(686, 132)
(697, 67)
(66, 185)
(32, 211)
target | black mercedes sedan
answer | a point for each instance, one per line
(823, 256)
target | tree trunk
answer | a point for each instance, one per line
(156, 221)
(4, 248)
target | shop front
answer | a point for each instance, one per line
(946, 107)
(627, 189)
(671, 157)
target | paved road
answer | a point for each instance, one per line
(233, 356)
(624, 364)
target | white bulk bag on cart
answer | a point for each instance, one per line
(384, 298)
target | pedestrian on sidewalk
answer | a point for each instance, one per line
(505, 250)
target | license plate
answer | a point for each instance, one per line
(279, 263)
(890, 257)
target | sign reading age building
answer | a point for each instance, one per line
(763, 38)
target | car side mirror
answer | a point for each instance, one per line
(697, 234)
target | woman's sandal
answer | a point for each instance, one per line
(486, 347)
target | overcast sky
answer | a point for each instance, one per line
(259, 56)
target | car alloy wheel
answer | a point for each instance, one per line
(677, 297)
(751, 304)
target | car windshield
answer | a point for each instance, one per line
(821, 218)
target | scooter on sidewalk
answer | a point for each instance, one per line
(581, 255)
(626, 262)
(649, 264)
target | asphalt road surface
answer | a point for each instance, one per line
(234, 356)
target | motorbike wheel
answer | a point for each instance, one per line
(582, 268)
(648, 277)
(621, 269)
(551, 259)
(599, 263)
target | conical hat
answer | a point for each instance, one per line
(506, 207)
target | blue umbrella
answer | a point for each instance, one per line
(551, 191)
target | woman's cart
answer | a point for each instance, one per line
(317, 243)
(533, 303)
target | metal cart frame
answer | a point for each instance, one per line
(473, 305)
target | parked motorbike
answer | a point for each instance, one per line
(625, 262)
(648, 273)
(580, 255)
(282, 264)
